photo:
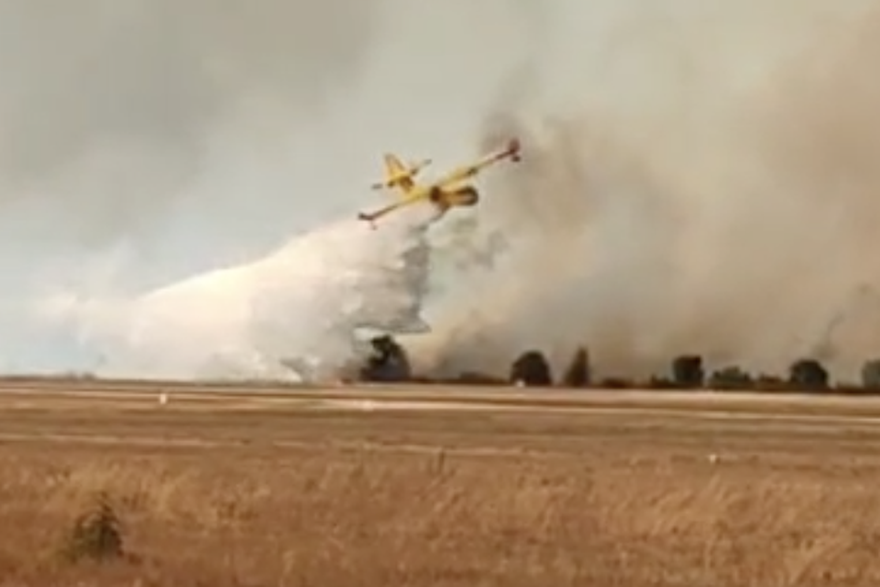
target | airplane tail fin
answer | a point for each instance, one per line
(398, 174)
(394, 166)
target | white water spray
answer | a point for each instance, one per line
(292, 314)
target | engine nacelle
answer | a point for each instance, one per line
(464, 197)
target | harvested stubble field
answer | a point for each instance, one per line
(263, 495)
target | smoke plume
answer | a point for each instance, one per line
(698, 178)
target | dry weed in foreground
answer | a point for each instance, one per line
(327, 517)
(96, 535)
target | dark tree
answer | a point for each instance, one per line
(871, 375)
(388, 361)
(687, 371)
(578, 372)
(808, 375)
(532, 369)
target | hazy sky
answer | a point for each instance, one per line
(146, 140)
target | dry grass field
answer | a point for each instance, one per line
(263, 495)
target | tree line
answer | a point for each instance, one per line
(389, 363)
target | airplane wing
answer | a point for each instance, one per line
(511, 151)
(406, 201)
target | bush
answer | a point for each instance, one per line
(475, 378)
(731, 378)
(532, 369)
(808, 375)
(96, 535)
(765, 382)
(659, 382)
(851, 388)
(618, 383)
(578, 372)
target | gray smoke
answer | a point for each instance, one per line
(704, 183)
(109, 111)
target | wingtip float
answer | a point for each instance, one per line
(454, 189)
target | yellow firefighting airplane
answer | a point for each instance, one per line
(449, 191)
